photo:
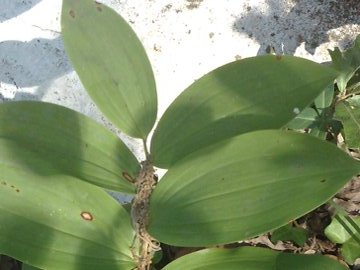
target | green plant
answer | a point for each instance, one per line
(233, 173)
(337, 109)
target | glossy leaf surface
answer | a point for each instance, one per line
(68, 141)
(225, 192)
(59, 222)
(112, 65)
(252, 258)
(263, 92)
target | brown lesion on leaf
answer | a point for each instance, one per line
(145, 183)
(72, 14)
(87, 216)
(278, 57)
(98, 6)
(5, 184)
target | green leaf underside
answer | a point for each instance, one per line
(225, 192)
(348, 112)
(70, 143)
(112, 65)
(243, 96)
(252, 258)
(58, 222)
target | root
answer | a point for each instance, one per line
(145, 184)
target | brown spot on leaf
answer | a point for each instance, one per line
(98, 6)
(72, 13)
(3, 183)
(323, 180)
(87, 216)
(12, 186)
(17, 190)
(128, 177)
(278, 57)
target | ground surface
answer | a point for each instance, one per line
(184, 40)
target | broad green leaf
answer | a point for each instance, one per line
(263, 92)
(112, 64)
(350, 250)
(348, 112)
(245, 186)
(58, 222)
(337, 233)
(346, 62)
(252, 258)
(68, 141)
(297, 235)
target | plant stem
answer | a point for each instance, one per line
(339, 99)
(147, 155)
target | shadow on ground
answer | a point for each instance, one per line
(296, 21)
(13, 8)
(34, 63)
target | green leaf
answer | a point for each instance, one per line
(112, 64)
(68, 141)
(318, 117)
(59, 222)
(289, 233)
(350, 250)
(325, 99)
(245, 186)
(252, 258)
(306, 119)
(346, 62)
(337, 233)
(348, 112)
(28, 267)
(263, 92)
